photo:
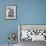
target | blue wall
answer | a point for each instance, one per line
(33, 12)
(28, 12)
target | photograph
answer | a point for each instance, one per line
(10, 12)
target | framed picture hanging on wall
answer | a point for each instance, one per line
(10, 11)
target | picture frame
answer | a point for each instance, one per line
(10, 12)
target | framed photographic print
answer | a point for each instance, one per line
(10, 12)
